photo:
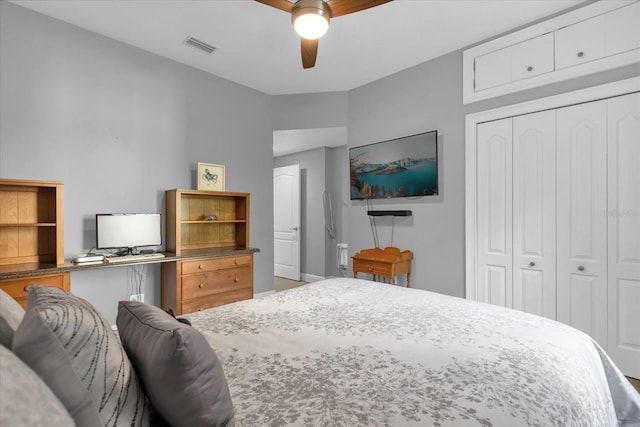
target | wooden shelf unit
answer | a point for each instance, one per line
(188, 229)
(31, 222)
(31, 233)
(222, 272)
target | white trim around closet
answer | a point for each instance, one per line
(594, 93)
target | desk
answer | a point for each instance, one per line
(388, 262)
(15, 278)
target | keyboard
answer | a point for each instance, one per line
(133, 258)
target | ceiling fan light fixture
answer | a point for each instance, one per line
(310, 18)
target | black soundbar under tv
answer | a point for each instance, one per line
(389, 213)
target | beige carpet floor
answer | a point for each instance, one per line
(282, 284)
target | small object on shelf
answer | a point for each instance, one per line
(211, 218)
(82, 258)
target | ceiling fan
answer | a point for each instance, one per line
(310, 19)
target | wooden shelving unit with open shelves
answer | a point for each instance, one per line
(187, 225)
(31, 222)
(213, 227)
(31, 234)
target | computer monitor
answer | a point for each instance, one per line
(128, 231)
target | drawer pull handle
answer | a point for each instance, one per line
(529, 68)
(581, 268)
(532, 264)
(201, 285)
(235, 262)
(236, 280)
(200, 266)
(580, 54)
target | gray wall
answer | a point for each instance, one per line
(310, 110)
(337, 173)
(422, 98)
(119, 126)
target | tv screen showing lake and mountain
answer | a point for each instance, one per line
(402, 167)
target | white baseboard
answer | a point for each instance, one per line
(263, 294)
(310, 277)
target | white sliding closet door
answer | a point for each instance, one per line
(624, 232)
(582, 220)
(494, 186)
(534, 213)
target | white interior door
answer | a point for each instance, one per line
(582, 220)
(286, 221)
(534, 213)
(624, 232)
(494, 189)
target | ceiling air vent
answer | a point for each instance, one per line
(200, 45)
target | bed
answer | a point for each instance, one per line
(351, 352)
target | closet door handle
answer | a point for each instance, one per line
(529, 68)
(581, 268)
(580, 54)
(532, 264)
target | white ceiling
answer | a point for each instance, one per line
(258, 48)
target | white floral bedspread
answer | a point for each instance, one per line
(348, 352)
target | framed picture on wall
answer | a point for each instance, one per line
(210, 177)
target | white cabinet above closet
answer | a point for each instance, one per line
(597, 37)
(520, 61)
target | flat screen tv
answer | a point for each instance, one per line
(401, 167)
(128, 231)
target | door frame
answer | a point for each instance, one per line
(621, 87)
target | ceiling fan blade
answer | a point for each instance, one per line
(345, 7)
(309, 52)
(278, 4)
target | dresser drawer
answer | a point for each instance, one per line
(198, 285)
(17, 288)
(213, 264)
(215, 300)
(371, 267)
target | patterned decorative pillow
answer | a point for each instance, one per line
(11, 314)
(68, 343)
(180, 371)
(25, 400)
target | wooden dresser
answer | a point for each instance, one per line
(212, 229)
(31, 234)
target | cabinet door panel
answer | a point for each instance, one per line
(581, 42)
(493, 69)
(494, 189)
(584, 310)
(622, 29)
(532, 58)
(581, 222)
(534, 219)
(623, 216)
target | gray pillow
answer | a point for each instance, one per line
(181, 373)
(66, 341)
(25, 400)
(11, 314)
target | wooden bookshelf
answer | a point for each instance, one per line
(31, 222)
(31, 234)
(213, 227)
